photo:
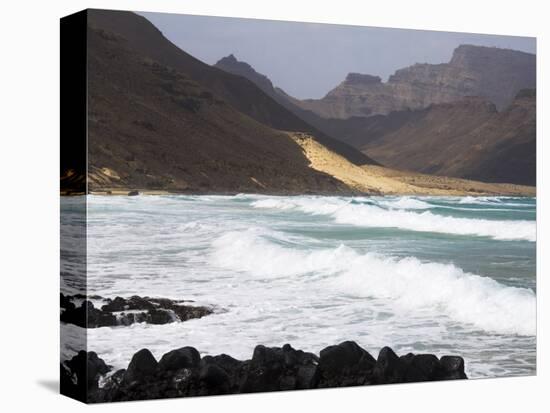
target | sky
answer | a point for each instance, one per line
(307, 60)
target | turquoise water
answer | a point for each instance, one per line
(421, 274)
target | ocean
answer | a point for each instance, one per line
(442, 275)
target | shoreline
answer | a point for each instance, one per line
(523, 192)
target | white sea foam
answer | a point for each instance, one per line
(404, 202)
(345, 212)
(406, 284)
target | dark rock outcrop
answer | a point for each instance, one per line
(123, 312)
(183, 372)
(80, 375)
(142, 366)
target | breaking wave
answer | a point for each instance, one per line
(406, 284)
(397, 214)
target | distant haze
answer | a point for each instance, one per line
(308, 59)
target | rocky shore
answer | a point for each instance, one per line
(184, 373)
(79, 310)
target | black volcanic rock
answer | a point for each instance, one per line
(142, 366)
(453, 367)
(123, 312)
(183, 373)
(80, 375)
(345, 364)
(87, 316)
(389, 368)
(185, 357)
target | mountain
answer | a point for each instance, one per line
(153, 126)
(489, 72)
(468, 139)
(465, 138)
(144, 38)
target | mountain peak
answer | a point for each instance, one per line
(228, 59)
(360, 78)
(469, 55)
(230, 64)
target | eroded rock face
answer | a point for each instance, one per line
(183, 372)
(123, 312)
(492, 73)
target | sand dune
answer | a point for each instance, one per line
(386, 181)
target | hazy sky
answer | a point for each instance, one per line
(309, 59)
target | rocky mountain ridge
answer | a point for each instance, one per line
(465, 137)
(489, 72)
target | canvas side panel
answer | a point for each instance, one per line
(73, 210)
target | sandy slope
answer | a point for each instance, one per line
(377, 179)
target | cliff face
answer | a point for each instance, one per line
(492, 73)
(467, 139)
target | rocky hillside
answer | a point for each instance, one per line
(243, 95)
(152, 126)
(492, 73)
(467, 139)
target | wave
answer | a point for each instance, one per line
(374, 216)
(494, 201)
(404, 202)
(406, 284)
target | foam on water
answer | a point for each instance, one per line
(375, 216)
(310, 281)
(407, 284)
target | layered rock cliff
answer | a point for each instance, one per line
(492, 73)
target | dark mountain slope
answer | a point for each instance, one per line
(153, 127)
(335, 128)
(145, 39)
(466, 139)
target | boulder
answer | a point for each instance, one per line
(453, 367)
(142, 366)
(80, 375)
(152, 310)
(66, 303)
(117, 304)
(214, 377)
(182, 372)
(346, 364)
(158, 316)
(388, 368)
(185, 357)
